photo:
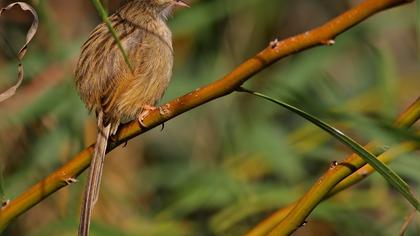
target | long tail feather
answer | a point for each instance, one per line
(96, 167)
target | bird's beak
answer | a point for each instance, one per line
(181, 3)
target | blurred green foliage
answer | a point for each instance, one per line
(221, 168)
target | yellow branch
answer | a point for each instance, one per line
(337, 178)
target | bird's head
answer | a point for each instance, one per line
(164, 7)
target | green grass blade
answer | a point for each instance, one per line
(383, 169)
(104, 15)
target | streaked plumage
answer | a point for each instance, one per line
(111, 87)
(108, 86)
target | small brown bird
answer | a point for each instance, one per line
(116, 92)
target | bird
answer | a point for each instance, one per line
(120, 90)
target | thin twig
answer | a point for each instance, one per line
(407, 221)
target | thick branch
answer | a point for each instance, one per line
(323, 35)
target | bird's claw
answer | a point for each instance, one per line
(146, 111)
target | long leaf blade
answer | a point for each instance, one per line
(393, 178)
(104, 15)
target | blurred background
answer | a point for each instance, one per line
(225, 166)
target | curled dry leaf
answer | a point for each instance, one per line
(31, 32)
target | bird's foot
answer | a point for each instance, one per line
(146, 111)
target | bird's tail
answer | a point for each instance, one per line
(92, 188)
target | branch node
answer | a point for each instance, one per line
(69, 181)
(5, 203)
(328, 42)
(363, 172)
(274, 43)
(304, 223)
